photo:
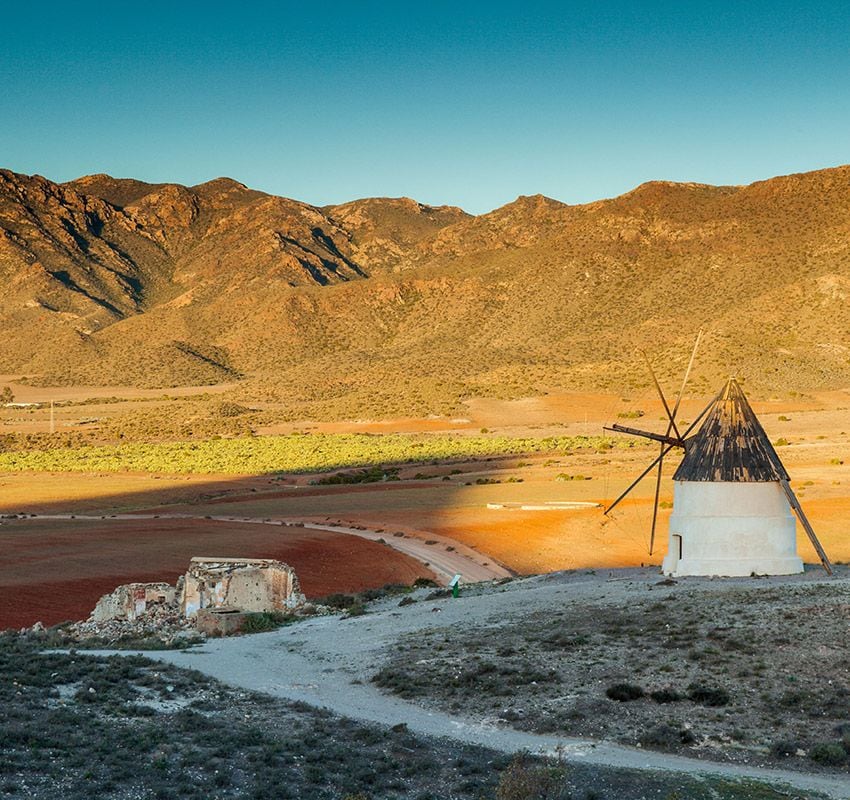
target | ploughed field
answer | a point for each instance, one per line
(55, 570)
(428, 477)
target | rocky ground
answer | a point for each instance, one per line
(752, 671)
(125, 728)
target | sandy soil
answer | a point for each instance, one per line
(54, 570)
(112, 493)
(44, 394)
(534, 541)
(572, 413)
(86, 416)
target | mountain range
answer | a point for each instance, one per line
(391, 306)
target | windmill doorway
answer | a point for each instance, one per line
(676, 546)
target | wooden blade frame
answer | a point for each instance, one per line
(656, 437)
(666, 448)
(672, 424)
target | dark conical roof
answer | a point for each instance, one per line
(731, 445)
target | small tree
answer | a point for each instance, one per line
(7, 395)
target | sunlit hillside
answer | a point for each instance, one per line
(385, 307)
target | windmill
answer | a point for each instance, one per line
(732, 497)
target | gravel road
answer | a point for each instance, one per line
(327, 661)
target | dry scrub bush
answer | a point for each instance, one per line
(528, 779)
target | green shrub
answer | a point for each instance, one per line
(529, 779)
(784, 748)
(710, 696)
(666, 696)
(624, 692)
(828, 754)
(231, 410)
(261, 621)
(371, 475)
(667, 736)
(356, 610)
(338, 600)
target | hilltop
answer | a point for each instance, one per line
(595, 667)
(385, 306)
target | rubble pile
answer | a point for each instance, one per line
(166, 624)
(136, 611)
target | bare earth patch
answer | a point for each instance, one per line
(56, 570)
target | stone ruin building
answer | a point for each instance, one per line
(244, 584)
(215, 593)
(132, 600)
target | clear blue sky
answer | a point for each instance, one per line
(470, 104)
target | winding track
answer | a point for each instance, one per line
(328, 661)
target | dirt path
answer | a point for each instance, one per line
(328, 662)
(472, 565)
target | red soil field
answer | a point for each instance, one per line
(55, 570)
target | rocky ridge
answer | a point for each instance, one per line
(394, 305)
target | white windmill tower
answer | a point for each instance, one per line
(732, 500)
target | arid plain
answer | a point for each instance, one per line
(61, 566)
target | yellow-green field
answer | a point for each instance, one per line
(297, 453)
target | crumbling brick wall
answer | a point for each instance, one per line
(132, 600)
(244, 584)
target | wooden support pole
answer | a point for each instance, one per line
(798, 510)
(655, 504)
